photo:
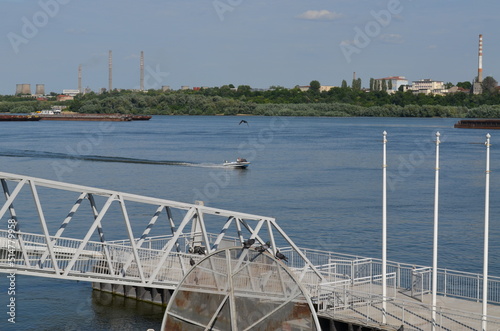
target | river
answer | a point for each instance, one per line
(321, 178)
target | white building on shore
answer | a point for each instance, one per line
(396, 82)
(428, 86)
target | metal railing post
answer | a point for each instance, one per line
(445, 282)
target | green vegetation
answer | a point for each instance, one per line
(226, 100)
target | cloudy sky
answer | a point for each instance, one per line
(243, 42)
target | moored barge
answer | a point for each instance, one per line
(95, 117)
(492, 124)
(19, 118)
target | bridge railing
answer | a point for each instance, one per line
(100, 260)
(414, 279)
(345, 303)
(184, 241)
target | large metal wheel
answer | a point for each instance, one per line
(240, 289)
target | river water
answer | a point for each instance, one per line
(321, 178)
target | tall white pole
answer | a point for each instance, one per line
(486, 233)
(435, 244)
(384, 232)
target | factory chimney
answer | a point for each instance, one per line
(477, 87)
(110, 87)
(80, 78)
(142, 71)
(480, 64)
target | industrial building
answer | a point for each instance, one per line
(23, 89)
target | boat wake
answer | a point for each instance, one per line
(99, 158)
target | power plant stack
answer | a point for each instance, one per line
(40, 89)
(480, 62)
(477, 88)
(80, 78)
(142, 71)
(24, 89)
(110, 87)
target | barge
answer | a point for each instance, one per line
(491, 124)
(19, 118)
(94, 117)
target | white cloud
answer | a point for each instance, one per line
(320, 15)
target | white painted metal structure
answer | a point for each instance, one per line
(435, 237)
(141, 259)
(486, 235)
(384, 229)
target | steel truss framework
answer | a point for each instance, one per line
(140, 259)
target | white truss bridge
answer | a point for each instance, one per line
(64, 231)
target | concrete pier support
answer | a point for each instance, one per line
(146, 294)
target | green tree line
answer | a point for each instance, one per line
(225, 100)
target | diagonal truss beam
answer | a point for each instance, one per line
(64, 224)
(89, 234)
(167, 249)
(43, 223)
(10, 206)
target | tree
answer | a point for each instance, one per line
(448, 85)
(372, 84)
(356, 84)
(244, 89)
(465, 85)
(384, 85)
(489, 85)
(344, 84)
(389, 84)
(314, 86)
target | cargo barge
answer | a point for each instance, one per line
(491, 124)
(94, 117)
(19, 118)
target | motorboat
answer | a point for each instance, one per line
(239, 163)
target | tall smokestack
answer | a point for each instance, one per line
(142, 71)
(80, 78)
(480, 64)
(354, 75)
(110, 87)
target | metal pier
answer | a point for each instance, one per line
(64, 231)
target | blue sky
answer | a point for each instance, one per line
(243, 42)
